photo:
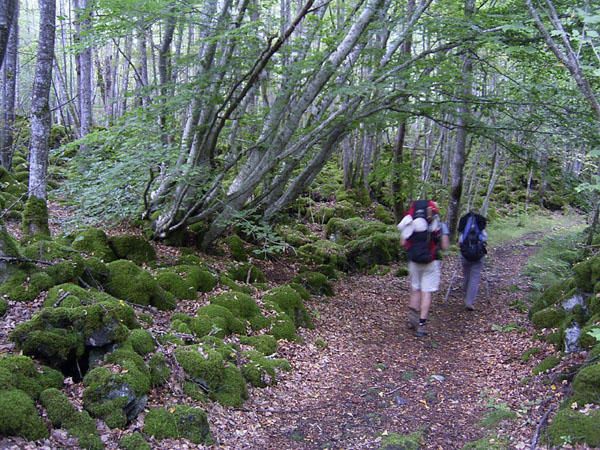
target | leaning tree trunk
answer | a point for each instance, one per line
(9, 86)
(35, 217)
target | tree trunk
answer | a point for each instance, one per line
(398, 196)
(37, 222)
(7, 20)
(84, 67)
(9, 87)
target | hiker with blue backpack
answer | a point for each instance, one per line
(472, 239)
(423, 236)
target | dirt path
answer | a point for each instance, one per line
(375, 377)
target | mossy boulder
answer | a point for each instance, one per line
(546, 364)
(281, 326)
(240, 304)
(586, 385)
(10, 248)
(231, 323)
(134, 441)
(264, 343)
(21, 372)
(133, 248)
(576, 426)
(235, 244)
(49, 250)
(323, 252)
(129, 282)
(24, 286)
(159, 369)
(232, 285)
(69, 271)
(345, 230)
(550, 317)
(178, 422)
(94, 242)
(315, 282)
(296, 235)
(291, 303)
(19, 417)
(375, 249)
(587, 273)
(63, 414)
(68, 295)
(587, 340)
(384, 215)
(246, 273)
(261, 371)
(35, 219)
(552, 295)
(184, 281)
(141, 342)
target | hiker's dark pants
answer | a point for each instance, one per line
(471, 278)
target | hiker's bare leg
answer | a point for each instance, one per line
(425, 304)
(415, 300)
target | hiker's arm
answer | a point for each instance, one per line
(445, 240)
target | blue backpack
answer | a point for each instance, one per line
(473, 246)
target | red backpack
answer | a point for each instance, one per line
(422, 246)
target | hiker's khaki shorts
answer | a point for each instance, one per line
(424, 277)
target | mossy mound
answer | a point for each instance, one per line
(21, 372)
(129, 282)
(246, 273)
(95, 273)
(291, 303)
(587, 273)
(323, 252)
(60, 336)
(552, 295)
(159, 369)
(375, 249)
(94, 242)
(134, 441)
(178, 422)
(49, 250)
(133, 248)
(384, 215)
(35, 219)
(208, 368)
(236, 248)
(296, 235)
(586, 385)
(397, 441)
(224, 316)
(69, 271)
(19, 417)
(141, 342)
(261, 371)
(63, 414)
(185, 280)
(315, 282)
(546, 364)
(265, 343)
(68, 295)
(240, 304)
(346, 230)
(550, 317)
(25, 287)
(577, 427)
(232, 285)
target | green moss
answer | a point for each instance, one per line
(247, 273)
(265, 343)
(492, 442)
(21, 372)
(18, 416)
(384, 215)
(575, 427)
(546, 364)
(67, 295)
(377, 248)
(128, 282)
(35, 218)
(133, 248)
(183, 281)
(552, 295)
(301, 290)
(232, 390)
(94, 242)
(586, 340)
(315, 282)
(47, 250)
(232, 323)
(8, 245)
(297, 235)
(587, 273)
(396, 441)
(228, 282)
(291, 303)
(63, 414)
(141, 341)
(345, 230)
(236, 248)
(240, 304)
(586, 385)
(178, 422)
(550, 317)
(134, 441)
(159, 369)
(282, 327)
(323, 252)
(497, 414)
(25, 287)
(203, 363)
(260, 371)
(95, 272)
(66, 271)
(528, 354)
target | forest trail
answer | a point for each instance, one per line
(374, 377)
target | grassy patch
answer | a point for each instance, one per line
(497, 413)
(514, 227)
(412, 441)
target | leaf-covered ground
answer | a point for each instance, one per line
(361, 375)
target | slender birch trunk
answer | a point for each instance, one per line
(9, 88)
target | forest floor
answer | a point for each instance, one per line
(360, 375)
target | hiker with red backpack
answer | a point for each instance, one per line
(423, 236)
(472, 239)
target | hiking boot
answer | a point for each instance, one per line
(413, 319)
(421, 330)
(469, 307)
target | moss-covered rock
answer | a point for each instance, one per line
(315, 282)
(377, 248)
(231, 322)
(264, 343)
(587, 340)
(69, 271)
(128, 282)
(345, 230)
(94, 242)
(247, 273)
(49, 250)
(236, 248)
(141, 342)
(184, 281)
(546, 364)
(18, 416)
(240, 304)
(552, 295)
(21, 372)
(134, 441)
(178, 422)
(25, 287)
(323, 252)
(576, 427)
(550, 317)
(63, 414)
(282, 326)
(232, 285)
(586, 385)
(260, 371)
(587, 273)
(232, 391)
(159, 369)
(95, 273)
(133, 248)
(297, 235)
(67, 295)
(291, 303)
(384, 215)
(35, 219)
